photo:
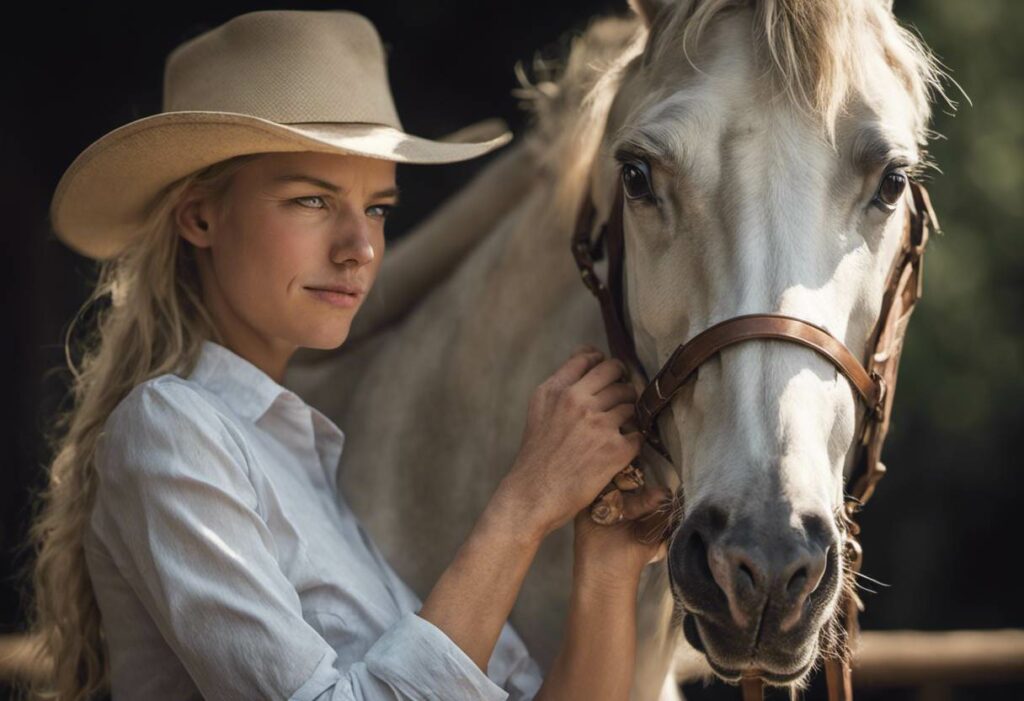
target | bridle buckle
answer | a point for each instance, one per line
(879, 408)
(591, 280)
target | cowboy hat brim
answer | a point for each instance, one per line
(104, 194)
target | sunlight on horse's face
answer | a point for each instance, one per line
(753, 211)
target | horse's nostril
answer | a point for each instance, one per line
(750, 575)
(691, 633)
(797, 582)
(699, 556)
(818, 569)
(718, 519)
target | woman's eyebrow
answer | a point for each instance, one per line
(292, 178)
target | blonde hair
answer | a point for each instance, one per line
(155, 323)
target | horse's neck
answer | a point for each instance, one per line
(511, 290)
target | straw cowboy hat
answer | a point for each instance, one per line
(274, 80)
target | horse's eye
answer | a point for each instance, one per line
(636, 178)
(889, 190)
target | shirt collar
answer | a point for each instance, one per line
(247, 389)
(250, 393)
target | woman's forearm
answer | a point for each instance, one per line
(473, 597)
(598, 650)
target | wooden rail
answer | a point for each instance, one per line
(915, 658)
(882, 659)
(899, 658)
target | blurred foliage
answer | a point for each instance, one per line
(943, 529)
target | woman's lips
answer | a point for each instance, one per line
(338, 299)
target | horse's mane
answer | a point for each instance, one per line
(810, 49)
(569, 103)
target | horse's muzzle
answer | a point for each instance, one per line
(757, 589)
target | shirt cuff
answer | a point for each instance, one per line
(325, 676)
(421, 662)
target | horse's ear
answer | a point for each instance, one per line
(648, 9)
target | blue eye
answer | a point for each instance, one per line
(311, 197)
(387, 209)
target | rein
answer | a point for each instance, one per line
(874, 382)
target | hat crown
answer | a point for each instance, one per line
(262, 82)
(287, 66)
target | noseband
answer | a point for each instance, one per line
(874, 382)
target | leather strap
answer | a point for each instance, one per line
(620, 342)
(689, 356)
(885, 344)
(586, 253)
(752, 688)
(838, 678)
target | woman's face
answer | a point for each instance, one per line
(289, 224)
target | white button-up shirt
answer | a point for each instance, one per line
(227, 564)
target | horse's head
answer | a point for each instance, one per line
(764, 149)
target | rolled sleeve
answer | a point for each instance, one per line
(415, 655)
(524, 678)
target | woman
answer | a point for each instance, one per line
(193, 541)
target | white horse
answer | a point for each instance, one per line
(762, 146)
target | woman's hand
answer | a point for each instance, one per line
(598, 652)
(572, 446)
(613, 556)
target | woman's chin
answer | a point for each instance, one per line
(326, 338)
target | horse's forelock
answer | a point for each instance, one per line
(814, 49)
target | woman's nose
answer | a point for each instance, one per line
(354, 241)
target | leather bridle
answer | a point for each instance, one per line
(874, 382)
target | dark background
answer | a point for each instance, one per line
(942, 530)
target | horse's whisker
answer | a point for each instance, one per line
(871, 579)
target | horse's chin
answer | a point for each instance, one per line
(791, 673)
(794, 678)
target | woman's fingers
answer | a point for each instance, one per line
(650, 509)
(645, 502)
(601, 375)
(621, 413)
(576, 367)
(617, 393)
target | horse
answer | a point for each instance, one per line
(762, 147)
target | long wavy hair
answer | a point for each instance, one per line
(152, 321)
